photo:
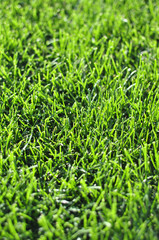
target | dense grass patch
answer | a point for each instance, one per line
(79, 119)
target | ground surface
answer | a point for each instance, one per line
(79, 119)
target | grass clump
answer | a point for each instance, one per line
(79, 119)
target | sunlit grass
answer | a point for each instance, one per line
(79, 119)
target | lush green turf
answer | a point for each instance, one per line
(79, 119)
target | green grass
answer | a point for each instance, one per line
(79, 119)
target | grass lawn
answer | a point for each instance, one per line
(79, 119)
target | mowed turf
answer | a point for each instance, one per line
(79, 119)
